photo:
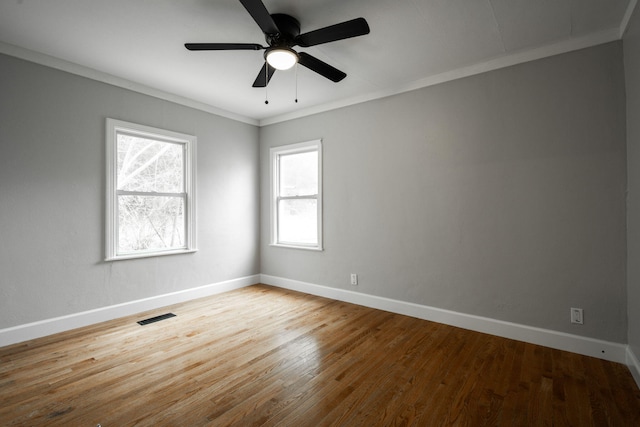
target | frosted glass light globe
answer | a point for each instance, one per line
(282, 58)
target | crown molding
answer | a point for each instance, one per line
(503, 61)
(627, 17)
(496, 63)
(90, 73)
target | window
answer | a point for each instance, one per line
(296, 195)
(151, 182)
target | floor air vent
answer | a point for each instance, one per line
(156, 319)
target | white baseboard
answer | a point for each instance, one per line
(46, 327)
(615, 352)
(634, 365)
(559, 340)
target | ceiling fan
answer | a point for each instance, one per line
(282, 33)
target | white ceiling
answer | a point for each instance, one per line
(412, 43)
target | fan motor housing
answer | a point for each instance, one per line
(289, 29)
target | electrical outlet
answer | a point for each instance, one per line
(576, 316)
(354, 279)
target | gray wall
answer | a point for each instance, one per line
(632, 71)
(52, 167)
(500, 195)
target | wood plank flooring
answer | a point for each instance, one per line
(267, 356)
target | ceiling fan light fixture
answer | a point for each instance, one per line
(281, 58)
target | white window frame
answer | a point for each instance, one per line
(275, 153)
(115, 127)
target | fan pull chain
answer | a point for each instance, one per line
(266, 82)
(296, 83)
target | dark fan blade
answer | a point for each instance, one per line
(354, 28)
(322, 68)
(261, 15)
(223, 46)
(263, 79)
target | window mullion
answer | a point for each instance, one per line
(148, 193)
(310, 196)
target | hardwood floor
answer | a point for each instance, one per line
(266, 356)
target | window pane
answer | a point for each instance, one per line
(298, 221)
(149, 165)
(299, 174)
(150, 222)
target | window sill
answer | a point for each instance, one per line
(306, 248)
(150, 254)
